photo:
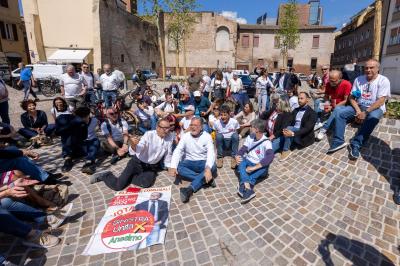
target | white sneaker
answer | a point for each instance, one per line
(41, 239)
(321, 134)
(58, 217)
(318, 126)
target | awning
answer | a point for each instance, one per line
(69, 56)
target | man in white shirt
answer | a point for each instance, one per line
(253, 158)
(109, 83)
(167, 107)
(367, 100)
(73, 88)
(120, 76)
(91, 81)
(115, 130)
(147, 155)
(227, 136)
(205, 84)
(198, 165)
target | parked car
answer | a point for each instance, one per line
(248, 85)
(302, 76)
(40, 72)
(5, 73)
(150, 74)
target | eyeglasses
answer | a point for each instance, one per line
(84, 67)
(324, 69)
(165, 128)
(112, 113)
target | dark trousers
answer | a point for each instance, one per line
(5, 118)
(135, 172)
(29, 133)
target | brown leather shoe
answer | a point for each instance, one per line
(220, 162)
(233, 163)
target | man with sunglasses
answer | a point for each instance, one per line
(148, 153)
(337, 91)
(91, 81)
(367, 106)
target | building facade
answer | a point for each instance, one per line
(12, 44)
(95, 31)
(390, 63)
(308, 14)
(355, 43)
(217, 42)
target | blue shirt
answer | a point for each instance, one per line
(26, 74)
(201, 106)
(183, 105)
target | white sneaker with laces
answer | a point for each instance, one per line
(40, 239)
(58, 217)
(318, 126)
(321, 134)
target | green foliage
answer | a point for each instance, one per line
(393, 110)
(288, 33)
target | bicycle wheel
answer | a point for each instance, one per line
(48, 90)
(129, 117)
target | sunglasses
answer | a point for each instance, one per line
(165, 128)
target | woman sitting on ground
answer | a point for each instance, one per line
(60, 107)
(244, 118)
(34, 121)
(278, 119)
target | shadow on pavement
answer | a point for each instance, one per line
(358, 253)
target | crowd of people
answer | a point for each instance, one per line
(187, 131)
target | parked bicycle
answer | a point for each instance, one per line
(49, 86)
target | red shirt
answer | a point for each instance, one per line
(337, 94)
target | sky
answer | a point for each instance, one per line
(335, 12)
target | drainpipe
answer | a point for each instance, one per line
(377, 29)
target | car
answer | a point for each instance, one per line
(5, 73)
(302, 76)
(248, 85)
(149, 74)
(40, 72)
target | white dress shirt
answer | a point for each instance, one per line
(152, 148)
(109, 82)
(236, 85)
(194, 149)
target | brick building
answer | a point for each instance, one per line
(217, 42)
(99, 31)
(355, 43)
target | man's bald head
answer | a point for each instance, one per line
(336, 74)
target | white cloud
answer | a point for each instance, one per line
(233, 16)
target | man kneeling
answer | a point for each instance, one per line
(198, 166)
(254, 158)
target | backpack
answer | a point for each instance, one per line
(58, 194)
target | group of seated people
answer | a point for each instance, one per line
(181, 133)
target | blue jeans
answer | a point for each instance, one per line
(346, 114)
(194, 171)
(263, 102)
(328, 123)
(276, 144)
(99, 93)
(29, 133)
(286, 142)
(223, 143)
(109, 98)
(23, 211)
(5, 117)
(252, 177)
(153, 124)
(90, 148)
(91, 97)
(25, 165)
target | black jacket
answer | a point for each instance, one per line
(162, 210)
(282, 121)
(28, 122)
(306, 133)
(286, 80)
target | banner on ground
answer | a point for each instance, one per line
(135, 218)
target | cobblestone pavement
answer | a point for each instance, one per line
(313, 209)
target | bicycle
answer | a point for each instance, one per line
(49, 86)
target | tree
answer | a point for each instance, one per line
(288, 32)
(181, 22)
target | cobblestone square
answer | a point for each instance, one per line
(313, 209)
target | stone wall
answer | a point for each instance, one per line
(126, 41)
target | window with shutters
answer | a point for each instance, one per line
(290, 62)
(245, 41)
(394, 36)
(315, 41)
(397, 6)
(4, 3)
(8, 31)
(256, 41)
(275, 64)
